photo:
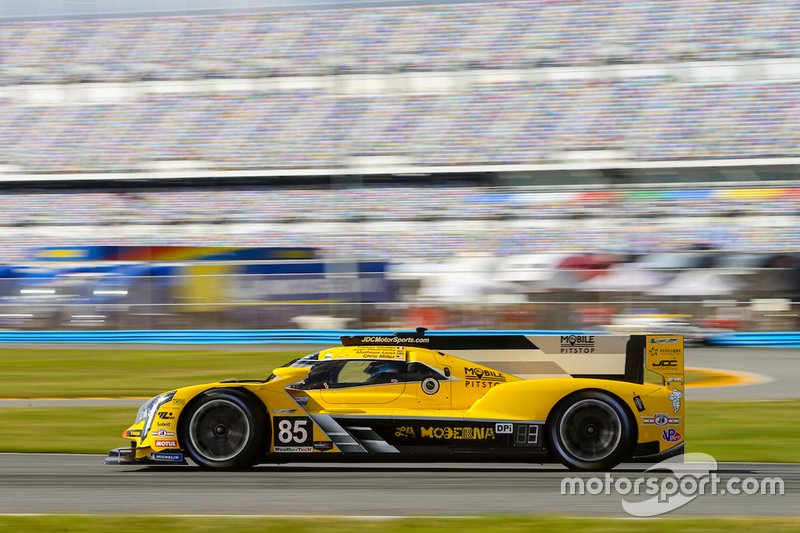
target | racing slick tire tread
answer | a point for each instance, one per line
(609, 410)
(246, 410)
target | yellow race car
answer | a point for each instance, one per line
(587, 401)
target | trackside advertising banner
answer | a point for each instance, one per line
(312, 281)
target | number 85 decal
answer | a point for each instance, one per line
(296, 431)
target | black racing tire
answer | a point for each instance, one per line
(591, 430)
(224, 429)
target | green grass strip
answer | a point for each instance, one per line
(498, 524)
(744, 430)
(74, 373)
(730, 431)
(64, 429)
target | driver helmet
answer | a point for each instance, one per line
(380, 367)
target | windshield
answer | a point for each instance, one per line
(301, 362)
(307, 360)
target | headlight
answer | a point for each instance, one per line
(148, 410)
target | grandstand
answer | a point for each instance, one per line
(509, 86)
(436, 138)
(614, 99)
(377, 222)
(449, 37)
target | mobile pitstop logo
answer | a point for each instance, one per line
(577, 344)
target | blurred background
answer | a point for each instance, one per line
(531, 164)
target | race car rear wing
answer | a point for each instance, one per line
(617, 357)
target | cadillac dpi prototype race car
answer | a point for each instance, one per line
(588, 401)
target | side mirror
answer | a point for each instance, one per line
(291, 373)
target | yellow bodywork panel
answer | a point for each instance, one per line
(664, 357)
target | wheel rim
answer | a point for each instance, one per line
(590, 430)
(219, 430)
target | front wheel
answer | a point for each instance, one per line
(223, 429)
(591, 430)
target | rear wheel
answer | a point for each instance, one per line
(223, 429)
(591, 430)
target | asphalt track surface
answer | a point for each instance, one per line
(41, 483)
(777, 368)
